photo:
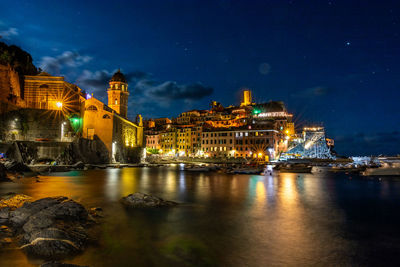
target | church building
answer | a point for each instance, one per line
(109, 123)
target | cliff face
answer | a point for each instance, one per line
(14, 64)
(10, 88)
(18, 59)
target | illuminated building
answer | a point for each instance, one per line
(241, 143)
(168, 142)
(260, 131)
(44, 91)
(118, 94)
(184, 141)
(122, 137)
(246, 101)
(313, 144)
(153, 141)
(188, 117)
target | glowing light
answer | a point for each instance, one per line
(273, 114)
(88, 96)
(308, 144)
(59, 105)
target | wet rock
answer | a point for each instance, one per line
(96, 212)
(12, 201)
(5, 241)
(14, 166)
(3, 174)
(78, 165)
(59, 264)
(5, 231)
(21, 215)
(51, 228)
(140, 200)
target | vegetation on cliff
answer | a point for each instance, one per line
(18, 59)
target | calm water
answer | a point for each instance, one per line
(318, 219)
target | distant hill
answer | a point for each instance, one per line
(18, 59)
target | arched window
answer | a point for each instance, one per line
(106, 116)
(92, 108)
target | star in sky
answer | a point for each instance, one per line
(348, 43)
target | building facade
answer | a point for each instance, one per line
(122, 137)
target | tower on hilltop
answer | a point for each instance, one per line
(118, 94)
(246, 98)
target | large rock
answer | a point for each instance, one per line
(20, 216)
(3, 174)
(11, 202)
(14, 166)
(51, 228)
(140, 200)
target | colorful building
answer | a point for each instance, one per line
(122, 137)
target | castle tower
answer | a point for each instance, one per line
(118, 94)
(246, 98)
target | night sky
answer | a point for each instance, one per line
(334, 63)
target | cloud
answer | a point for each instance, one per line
(66, 59)
(315, 91)
(147, 94)
(9, 33)
(369, 144)
(171, 90)
(143, 83)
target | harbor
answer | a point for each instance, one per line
(279, 211)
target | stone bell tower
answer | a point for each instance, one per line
(118, 94)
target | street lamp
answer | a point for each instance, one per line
(62, 131)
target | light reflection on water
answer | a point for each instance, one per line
(236, 220)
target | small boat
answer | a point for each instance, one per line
(294, 168)
(387, 169)
(197, 169)
(247, 171)
(347, 169)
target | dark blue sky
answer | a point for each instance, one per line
(332, 62)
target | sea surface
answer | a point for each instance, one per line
(288, 219)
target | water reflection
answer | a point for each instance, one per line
(278, 219)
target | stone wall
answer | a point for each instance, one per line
(84, 150)
(10, 89)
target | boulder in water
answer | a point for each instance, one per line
(51, 228)
(3, 174)
(140, 200)
(14, 166)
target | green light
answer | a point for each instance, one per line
(256, 111)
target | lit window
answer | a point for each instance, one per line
(116, 102)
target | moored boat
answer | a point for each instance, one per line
(387, 169)
(294, 168)
(197, 169)
(247, 171)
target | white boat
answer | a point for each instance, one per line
(387, 169)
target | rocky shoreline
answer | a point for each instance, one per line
(53, 229)
(48, 229)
